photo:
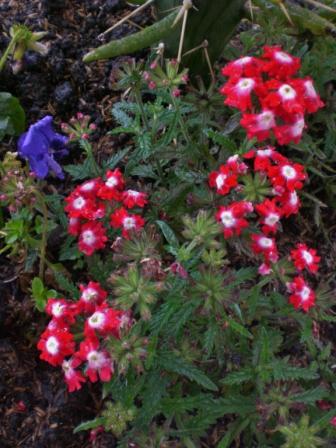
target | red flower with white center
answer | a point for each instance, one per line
(236, 165)
(309, 96)
(55, 345)
(270, 214)
(92, 237)
(288, 175)
(291, 132)
(258, 125)
(60, 310)
(89, 188)
(79, 206)
(266, 246)
(223, 180)
(263, 157)
(282, 98)
(72, 377)
(98, 361)
(244, 66)
(132, 198)
(238, 92)
(231, 217)
(74, 226)
(290, 203)
(305, 258)
(111, 187)
(120, 218)
(302, 295)
(104, 320)
(279, 64)
(91, 295)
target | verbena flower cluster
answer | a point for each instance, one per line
(278, 178)
(270, 97)
(92, 202)
(76, 334)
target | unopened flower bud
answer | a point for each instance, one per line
(152, 85)
(176, 92)
(79, 115)
(153, 65)
(92, 127)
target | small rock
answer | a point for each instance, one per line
(63, 93)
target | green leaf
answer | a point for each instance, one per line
(113, 161)
(176, 364)
(91, 424)
(12, 115)
(238, 328)
(168, 233)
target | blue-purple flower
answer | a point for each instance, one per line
(41, 145)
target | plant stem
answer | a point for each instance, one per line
(43, 247)
(180, 118)
(140, 103)
(7, 51)
(88, 149)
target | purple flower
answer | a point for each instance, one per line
(41, 145)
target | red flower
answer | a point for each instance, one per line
(55, 345)
(61, 310)
(74, 226)
(105, 321)
(223, 180)
(79, 206)
(231, 217)
(236, 165)
(271, 215)
(309, 96)
(99, 362)
(282, 98)
(333, 421)
(258, 125)
(92, 237)
(132, 198)
(302, 296)
(291, 132)
(266, 246)
(72, 377)
(264, 269)
(279, 64)
(122, 219)
(92, 294)
(111, 187)
(290, 203)
(239, 92)
(89, 188)
(305, 258)
(288, 175)
(244, 66)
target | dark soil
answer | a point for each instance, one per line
(36, 411)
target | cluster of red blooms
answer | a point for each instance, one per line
(267, 84)
(90, 203)
(284, 179)
(91, 313)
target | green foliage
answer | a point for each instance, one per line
(301, 435)
(41, 294)
(12, 115)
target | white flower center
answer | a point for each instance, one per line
(227, 219)
(111, 182)
(245, 85)
(283, 57)
(287, 92)
(266, 120)
(305, 292)
(128, 223)
(307, 257)
(97, 319)
(52, 345)
(88, 237)
(243, 61)
(288, 172)
(133, 193)
(220, 180)
(310, 90)
(89, 294)
(79, 202)
(293, 200)
(272, 219)
(297, 128)
(57, 309)
(265, 242)
(88, 186)
(95, 359)
(264, 152)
